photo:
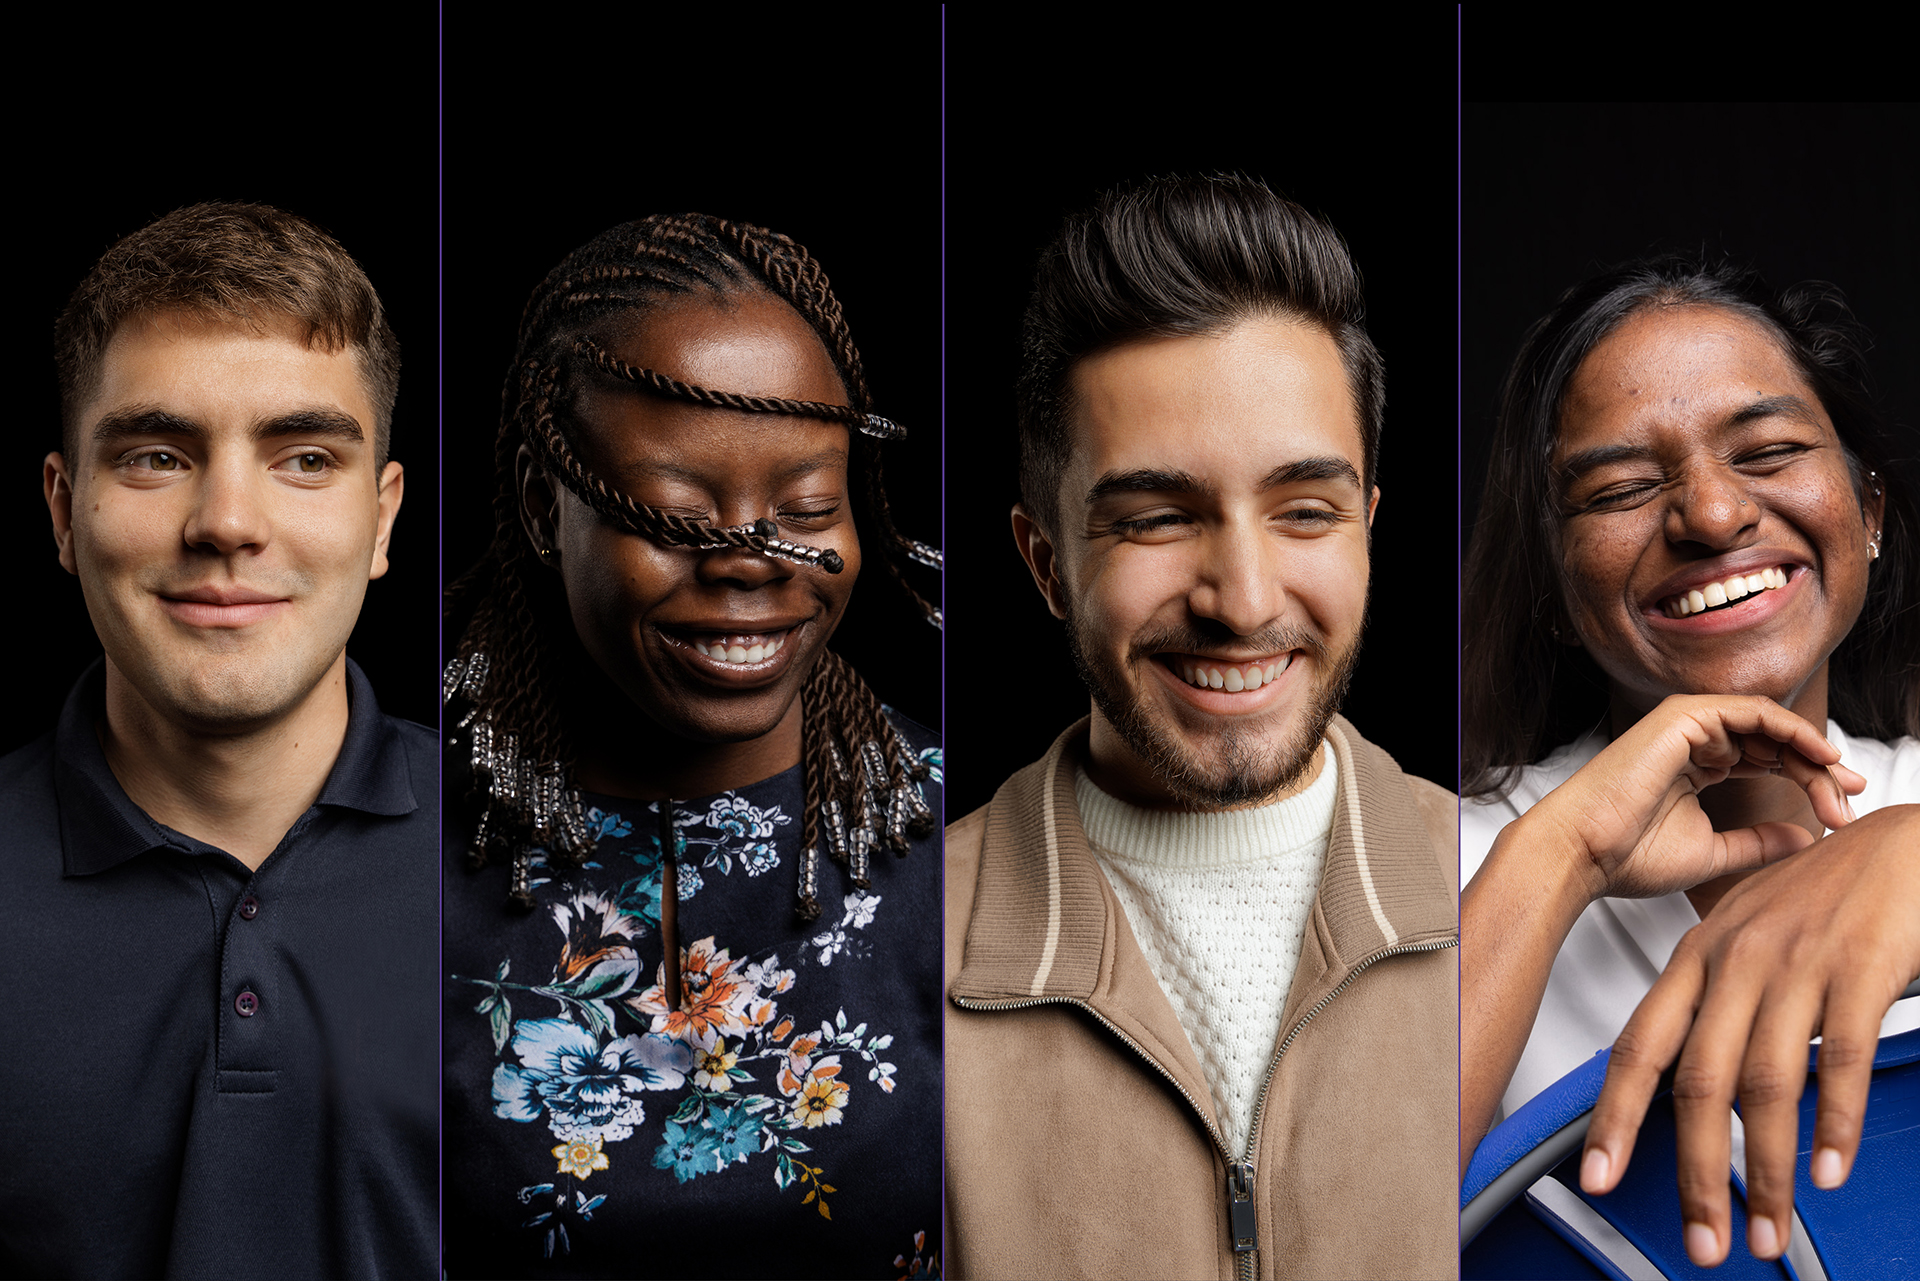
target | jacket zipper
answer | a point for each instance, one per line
(1240, 1175)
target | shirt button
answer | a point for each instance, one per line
(246, 1005)
(249, 907)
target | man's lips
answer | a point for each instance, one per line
(213, 606)
(1227, 686)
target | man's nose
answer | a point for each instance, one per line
(231, 511)
(1241, 584)
(1712, 506)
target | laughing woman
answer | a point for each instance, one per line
(1696, 559)
(692, 1015)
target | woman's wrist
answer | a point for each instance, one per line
(1538, 860)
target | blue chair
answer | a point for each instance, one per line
(1523, 1213)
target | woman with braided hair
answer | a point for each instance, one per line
(689, 924)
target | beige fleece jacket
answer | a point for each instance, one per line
(1081, 1140)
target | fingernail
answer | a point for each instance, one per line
(1594, 1167)
(1763, 1239)
(1826, 1168)
(1703, 1244)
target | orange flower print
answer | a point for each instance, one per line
(714, 992)
(581, 1157)
(823, 1098)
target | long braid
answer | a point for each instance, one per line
(861, 780)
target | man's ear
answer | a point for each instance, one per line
(58, 487)
(539, 504)
(1036, 548)
(392, 488)
(1373, 505)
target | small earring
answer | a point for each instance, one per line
(1873, 545)
(547, 555)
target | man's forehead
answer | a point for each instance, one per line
(1232, 406)
(185, 362)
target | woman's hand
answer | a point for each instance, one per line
(1820, 943)
(1632, 814)
(1627, 824)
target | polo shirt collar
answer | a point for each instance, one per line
(101, 827)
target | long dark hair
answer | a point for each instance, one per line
(1523, 692)
(502, 683)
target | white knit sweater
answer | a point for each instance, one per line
(1218, 903)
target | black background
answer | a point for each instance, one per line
(836, 146)
(118, 150)
(1552, 192)
(1036, 129)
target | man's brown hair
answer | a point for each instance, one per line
(242, 264)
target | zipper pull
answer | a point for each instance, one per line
(1246, 1238)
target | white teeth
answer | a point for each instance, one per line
(1715, 594)
(1233, 680)
(758, 652)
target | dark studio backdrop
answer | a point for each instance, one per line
(1553, 192)
(107, 163)
(547, 147)
(1036, 130)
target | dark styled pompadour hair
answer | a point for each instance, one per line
(1522, 692)
(1171, 257)
(236, 263)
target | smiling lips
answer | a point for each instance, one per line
(740, 647)
(1718, 595)
(1209, 673)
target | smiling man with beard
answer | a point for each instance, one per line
(1203, 997)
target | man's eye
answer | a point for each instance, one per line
(1146, 524)
(308, 464)
(160, 460)
(1310, 517)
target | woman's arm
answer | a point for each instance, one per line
(1627, 825)
(1820, 944)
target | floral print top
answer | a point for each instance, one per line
(785, 1121)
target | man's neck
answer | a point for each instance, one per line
(239, 790)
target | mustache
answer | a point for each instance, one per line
(1198, 634)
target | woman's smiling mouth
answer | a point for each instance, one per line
(1731, 590)
(733, 656)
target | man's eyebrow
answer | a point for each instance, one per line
(312, 423)
(1308, 469)
(144, 420)
(1146, 480)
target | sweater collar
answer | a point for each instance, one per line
(1042, 925)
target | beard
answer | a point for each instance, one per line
(1244, 765)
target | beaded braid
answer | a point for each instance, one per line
(861, 780)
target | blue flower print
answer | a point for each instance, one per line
(736, 1135)
(742, 819)
(689, 1151)
(587, 1090)
(759, 857)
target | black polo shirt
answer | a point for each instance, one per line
(207, 1071)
